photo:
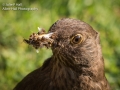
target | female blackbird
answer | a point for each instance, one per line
(76, 63)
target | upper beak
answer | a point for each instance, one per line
(40, 39)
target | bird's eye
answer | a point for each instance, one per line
(76, 39)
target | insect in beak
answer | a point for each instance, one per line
(40, 39)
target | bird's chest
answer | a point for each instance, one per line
(62, 83)
(63, 79)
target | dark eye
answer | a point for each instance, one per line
(76, 39)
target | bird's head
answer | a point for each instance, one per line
(73, 42)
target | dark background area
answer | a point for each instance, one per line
(17, 59)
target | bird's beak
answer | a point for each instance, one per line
(40, 39)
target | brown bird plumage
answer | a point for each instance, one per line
(76, 63)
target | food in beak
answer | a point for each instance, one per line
(40, 39)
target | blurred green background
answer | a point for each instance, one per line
(17, 59)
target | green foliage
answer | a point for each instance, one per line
(17, 59)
